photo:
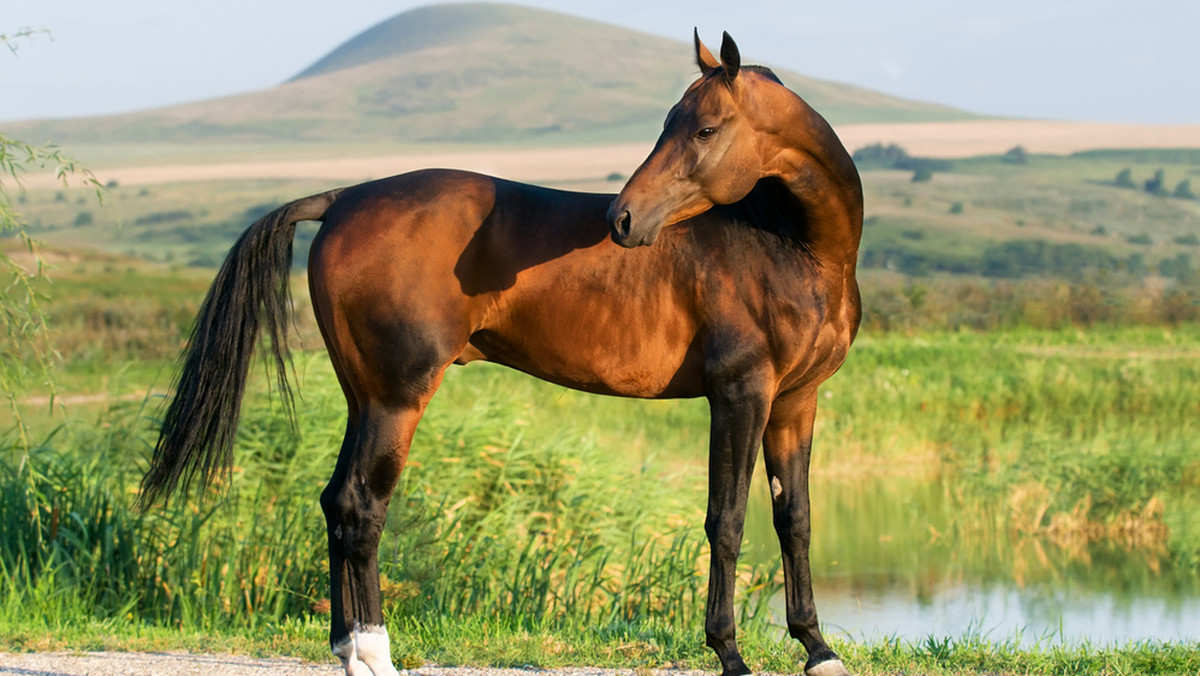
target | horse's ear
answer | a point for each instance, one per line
(731, 59)
(704, 58)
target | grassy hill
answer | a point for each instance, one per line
(472, 73)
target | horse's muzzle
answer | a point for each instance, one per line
(620, 224)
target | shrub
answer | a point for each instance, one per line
(164, 217)
(1016, 155)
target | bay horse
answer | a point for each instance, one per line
(724, 269)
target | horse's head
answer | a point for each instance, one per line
(710, 151)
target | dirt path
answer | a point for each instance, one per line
(184, 664)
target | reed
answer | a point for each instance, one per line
(534, 531)
(539, 526)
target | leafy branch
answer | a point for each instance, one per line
(28, 355)
(10, 41)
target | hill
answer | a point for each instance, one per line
(479, 72)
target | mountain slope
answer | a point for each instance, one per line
(477, 72)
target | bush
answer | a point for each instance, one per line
(1157, 185)
(164, 217)
(1125, 179)
(1016, 155)
(879, 156)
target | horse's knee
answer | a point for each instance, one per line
(354, 518)
(724, 537)
(792, 524)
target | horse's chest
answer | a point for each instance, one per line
(804, 329)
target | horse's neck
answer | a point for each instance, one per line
(817, 170)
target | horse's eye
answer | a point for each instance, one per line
(706, 133)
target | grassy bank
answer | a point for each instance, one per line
(519, 536)
(471, 643)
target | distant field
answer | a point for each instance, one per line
(526, 164)
(173, 163)
(967, 138)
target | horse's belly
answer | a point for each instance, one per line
(594, 350)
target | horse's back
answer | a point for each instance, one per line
(405, 270)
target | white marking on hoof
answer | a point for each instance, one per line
(776, 488)
(828, 668)
(344, 651)
(375, 649)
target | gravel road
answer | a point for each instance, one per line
(184, 664)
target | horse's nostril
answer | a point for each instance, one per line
(624, 223)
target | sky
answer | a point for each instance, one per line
(1097, 60)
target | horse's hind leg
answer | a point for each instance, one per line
(787, 447)
(355, 504)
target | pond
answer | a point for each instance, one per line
(901, 557)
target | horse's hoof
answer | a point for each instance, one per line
(832, 667)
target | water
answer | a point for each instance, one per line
(1002, 612)
(898, 557)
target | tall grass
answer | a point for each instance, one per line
(1100, 421)
(521, 534)
(529, 531)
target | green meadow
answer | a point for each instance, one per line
(1024, 414)
(541, 526)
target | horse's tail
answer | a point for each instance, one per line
(251, 289)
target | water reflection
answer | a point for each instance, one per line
(909, 557)
(1003, 612)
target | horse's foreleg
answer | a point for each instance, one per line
(355, 504)
(787, 447)
(738, 417)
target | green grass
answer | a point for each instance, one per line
(519, 537)
(476, 644)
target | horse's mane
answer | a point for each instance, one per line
(763, 70)
(772, 209)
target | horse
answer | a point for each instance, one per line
(724, 268)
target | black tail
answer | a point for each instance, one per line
(250, 289)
